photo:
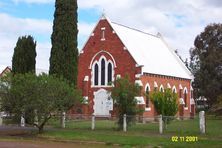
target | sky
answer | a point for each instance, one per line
(178, 21)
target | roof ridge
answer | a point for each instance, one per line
(136, 29)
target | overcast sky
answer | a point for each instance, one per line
(179, 21)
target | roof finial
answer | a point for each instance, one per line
(103, 14)
(159, 35)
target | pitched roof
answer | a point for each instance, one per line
(4, 70)
(38, 71)
(152, 52)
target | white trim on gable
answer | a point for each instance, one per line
(92, 32)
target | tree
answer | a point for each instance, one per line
(206, 63)
(36, 96)
(165, 104)
(23, 59)
(123, 95)
(64, 52)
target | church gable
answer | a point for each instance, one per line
(104, 50)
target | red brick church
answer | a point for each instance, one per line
(114, 50)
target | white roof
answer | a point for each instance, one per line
(151, 52)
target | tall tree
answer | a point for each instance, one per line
(64, 52)
(206, 63)
(23, 59)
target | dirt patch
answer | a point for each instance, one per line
(48, 144)
(13, 137)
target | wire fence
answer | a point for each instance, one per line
(174, 125)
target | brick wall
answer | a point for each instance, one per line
(112, 44)
(164, 80)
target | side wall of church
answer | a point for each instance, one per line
(166, 81)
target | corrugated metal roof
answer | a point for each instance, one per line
(152, 52)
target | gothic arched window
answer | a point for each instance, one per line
(96, 75)
(147, 97)
(103, 72)
(110, 73)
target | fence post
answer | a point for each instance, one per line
(202, 122)
(93, 122)
(63, 120)
(22, 124)
(161, 124)
(124, 123)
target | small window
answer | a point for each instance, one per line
(161, 89)
(109, 73)
(147, 97)
(103, 34)
(96, 74)
(103, 72)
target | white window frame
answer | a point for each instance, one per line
(161, 86)
(174, 88)
(185, 91)
(99, 72)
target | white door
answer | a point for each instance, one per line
(102, 104)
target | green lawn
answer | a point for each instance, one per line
(141, 135)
